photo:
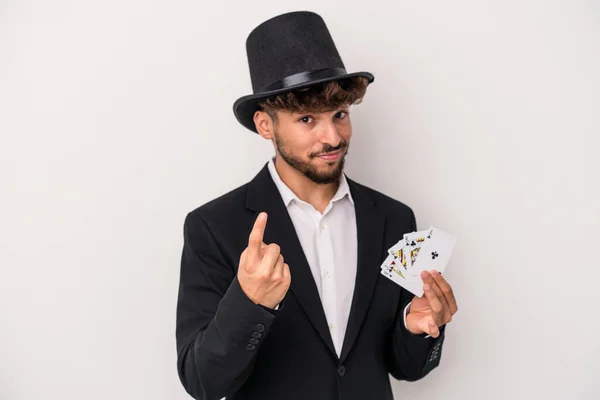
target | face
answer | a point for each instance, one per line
(315, 144)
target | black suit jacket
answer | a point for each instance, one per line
(229, 346)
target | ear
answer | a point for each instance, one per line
(264, 124)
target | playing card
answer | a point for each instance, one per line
(414, 286)
(396, 249)
(414, 253)
(418, 237)
(394, 268)
(392, 262)
(413, 237)
(400, 251)
(435, 252)
(414, 241)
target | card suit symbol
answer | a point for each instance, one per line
(413, 243)
(434, 254)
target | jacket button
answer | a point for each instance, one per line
(260, 328)
(253, 341)
(250, 347)
(257, 335)
(342, 371)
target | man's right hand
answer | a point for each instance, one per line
(262, 274)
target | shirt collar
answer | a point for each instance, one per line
(287, 195)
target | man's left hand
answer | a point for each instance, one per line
(433, 310)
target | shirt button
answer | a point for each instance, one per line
(342, 371)
(260, 328)
(250, 347)
(327, 274)
(330, 326)
(257, 335)
(322, 227)
(253, 341)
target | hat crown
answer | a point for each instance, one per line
(289, 44)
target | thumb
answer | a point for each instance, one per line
(417, 323)
(432, 328)
(421, 323)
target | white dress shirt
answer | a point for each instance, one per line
(329, 242)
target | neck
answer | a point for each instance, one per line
(318, 195)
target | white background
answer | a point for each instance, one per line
(115, 121)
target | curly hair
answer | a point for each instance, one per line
(318, 98)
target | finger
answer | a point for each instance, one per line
(447, 291)
(287, 276)
(433, 329)
(256, 236)
(270, 257)
(263, 246)
(277, 274)
(440, 295)
(243, 256)
(434, 302)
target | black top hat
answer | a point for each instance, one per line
(288, 52)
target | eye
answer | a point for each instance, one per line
(341, 114)
(306, 119)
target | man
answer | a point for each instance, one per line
(281, 295)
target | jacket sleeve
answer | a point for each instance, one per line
(412, 356)
(219, 330)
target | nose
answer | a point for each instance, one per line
(329, 134)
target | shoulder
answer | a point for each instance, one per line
(385, 203)
(220, 210)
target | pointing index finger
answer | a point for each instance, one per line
(256, 235)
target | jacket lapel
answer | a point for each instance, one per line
(263, 196)
(370, 229)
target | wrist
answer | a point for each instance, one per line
(406, 313)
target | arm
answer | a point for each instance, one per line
(411, 356)
(219, 329)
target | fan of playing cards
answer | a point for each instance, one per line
(418, 251)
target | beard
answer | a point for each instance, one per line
(310, 171)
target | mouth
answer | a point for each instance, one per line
(331, 156)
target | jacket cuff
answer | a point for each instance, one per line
(275, 310)
(423, 344)
(242, 322)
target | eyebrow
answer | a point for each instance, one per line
(336, 110)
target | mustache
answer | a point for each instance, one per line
(329, 148)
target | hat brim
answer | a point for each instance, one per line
(245, 107)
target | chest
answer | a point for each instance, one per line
(330, 244)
